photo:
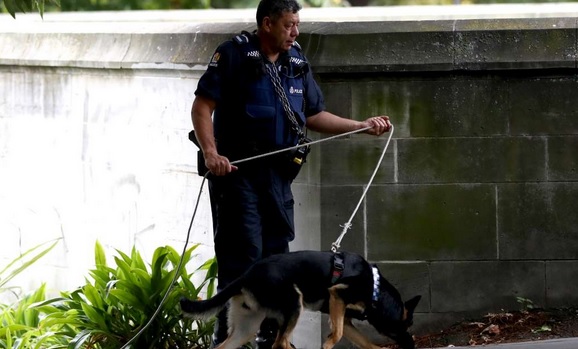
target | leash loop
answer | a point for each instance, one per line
(346, 226)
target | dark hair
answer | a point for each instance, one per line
(275, 8)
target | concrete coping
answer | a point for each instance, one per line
(336, 40)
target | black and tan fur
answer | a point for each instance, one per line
(280, 286)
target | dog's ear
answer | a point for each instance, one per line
(411, 304)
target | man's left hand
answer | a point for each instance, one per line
(378, 124)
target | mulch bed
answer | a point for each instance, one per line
(506, 327)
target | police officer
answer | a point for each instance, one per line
(238, 113)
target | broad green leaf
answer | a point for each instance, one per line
(78, 341)
(127, 298)
(12, 9)
(166, 281)
(99, 254)
(126, 270)
(49, 302)
(93, 296)
(5, 330)
(132, 288)
(43, 338)
(143, 277)
(137, 261)
(124, 257)
(100, 276)
(94, 315)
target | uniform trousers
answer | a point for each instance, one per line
(253, 217)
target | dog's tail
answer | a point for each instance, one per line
(206, 309)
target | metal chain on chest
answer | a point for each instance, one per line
(276, 80)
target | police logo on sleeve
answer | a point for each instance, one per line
(215, 59)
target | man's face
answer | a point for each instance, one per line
(284, 31)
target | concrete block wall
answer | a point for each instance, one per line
(474, 203)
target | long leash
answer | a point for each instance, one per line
(177, 271)
(335, 246)
(347, 225)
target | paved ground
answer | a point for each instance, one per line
(565, 343)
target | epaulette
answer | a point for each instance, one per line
(244, 42)
(242, 38)
(296, 45)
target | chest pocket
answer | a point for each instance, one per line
(260, 110)
(260, 97)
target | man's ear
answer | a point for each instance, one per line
(412, 303)
(267, 24)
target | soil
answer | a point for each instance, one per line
(506, 327)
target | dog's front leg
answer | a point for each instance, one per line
(352, 333)
(336, 316)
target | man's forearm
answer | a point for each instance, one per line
(203, 125)
(326, 122)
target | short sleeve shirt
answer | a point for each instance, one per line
(247, 107)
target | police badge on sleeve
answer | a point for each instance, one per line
(215, 59)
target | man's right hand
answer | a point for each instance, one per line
(219, 165)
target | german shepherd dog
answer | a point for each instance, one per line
(344, 285)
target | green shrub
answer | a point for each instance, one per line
(19, 322)
(112, 307)
(20, 325)
(110, 310)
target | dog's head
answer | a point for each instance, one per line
(391, 316)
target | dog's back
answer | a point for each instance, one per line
(307, 271)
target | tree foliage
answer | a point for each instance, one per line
(22, 6)
(14, 6)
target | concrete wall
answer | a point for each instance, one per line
(472, 206)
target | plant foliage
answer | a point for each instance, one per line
(22, 262)
(23, 6)
(114, 305)
(19, 322)
(109, 310)
(20, 325)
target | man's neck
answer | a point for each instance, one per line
(268, 52)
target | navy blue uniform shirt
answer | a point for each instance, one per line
(248, 111)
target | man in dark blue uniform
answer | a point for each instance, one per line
(238, 113)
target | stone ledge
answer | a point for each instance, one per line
(333, 47)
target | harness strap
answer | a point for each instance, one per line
(338, 266)
(375, 294)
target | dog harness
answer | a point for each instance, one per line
(337, 273)
(338, 266)
(375, 295)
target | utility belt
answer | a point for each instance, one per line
(288, 162)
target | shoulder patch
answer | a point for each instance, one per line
(215, 59)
